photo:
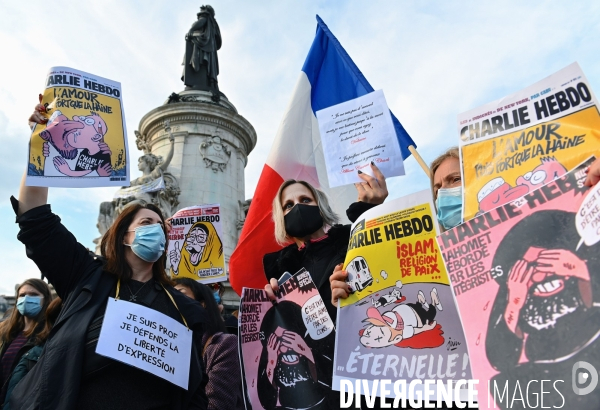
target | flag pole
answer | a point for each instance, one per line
(422, 163)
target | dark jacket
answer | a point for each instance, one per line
(224, 387)
(318, 258)
(29, 344)
(80, 280)
(26, 363)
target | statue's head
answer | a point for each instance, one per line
(149, 160)
(206, 9)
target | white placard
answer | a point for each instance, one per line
(356, 132)
(146, 339)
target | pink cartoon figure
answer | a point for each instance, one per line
(549, 170)
(76, 146)
(498, 192)
(400, 323)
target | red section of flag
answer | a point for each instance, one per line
(257, 237)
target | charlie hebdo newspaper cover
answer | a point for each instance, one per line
(195, 245)
(527, 280)
(83, 144)
(514, 145)
(285, 346)
(401, 321)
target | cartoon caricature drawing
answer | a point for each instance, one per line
(546, 314)
(395, 296)
(201, 249)
(402, 322)
(359, 275)
(498, 192)
(292, 372)
(76, 147)
(549, 170)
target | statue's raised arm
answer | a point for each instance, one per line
(162, 166)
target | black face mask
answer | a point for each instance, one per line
(303, 220)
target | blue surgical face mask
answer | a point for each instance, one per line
(217, 297)
(29, 306)
(449, 207)
(149, 242)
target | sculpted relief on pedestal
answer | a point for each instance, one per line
(215, 153)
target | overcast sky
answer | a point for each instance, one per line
(432, 59)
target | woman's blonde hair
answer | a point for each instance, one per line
(329, 217)
(450, 153)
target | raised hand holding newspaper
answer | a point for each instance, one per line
(355, 133)
(83, 142)
(515, 145)
(401, 323)
(527, 281)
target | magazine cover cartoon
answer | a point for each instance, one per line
(82, 143)
(195, 246)
(401, 321)
(283, 346)
(526, 276)
(514, 145)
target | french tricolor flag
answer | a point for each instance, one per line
(328, 77)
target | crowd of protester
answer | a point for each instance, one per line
(47, 353)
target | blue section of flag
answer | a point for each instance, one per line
(334, 78)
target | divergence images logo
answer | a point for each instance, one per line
(584, 373)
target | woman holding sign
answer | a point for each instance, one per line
(70, 374)
(302, 216)
(446, 187)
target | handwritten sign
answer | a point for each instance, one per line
(146, 339)
(356, 133)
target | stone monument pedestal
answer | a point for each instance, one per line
(211, 147)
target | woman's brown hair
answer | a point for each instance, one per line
(11, 327)
(113, 249)
(50, 317)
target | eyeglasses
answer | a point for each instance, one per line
(199, 237)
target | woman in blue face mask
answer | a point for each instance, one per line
(131, 267)
(19, 331)
(446, 186)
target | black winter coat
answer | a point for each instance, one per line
(83, 285)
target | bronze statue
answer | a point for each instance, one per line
(200, 63)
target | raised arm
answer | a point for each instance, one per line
(163, 165)
(55, 251)
(33, 196)
(373, 189)
(371, 192)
